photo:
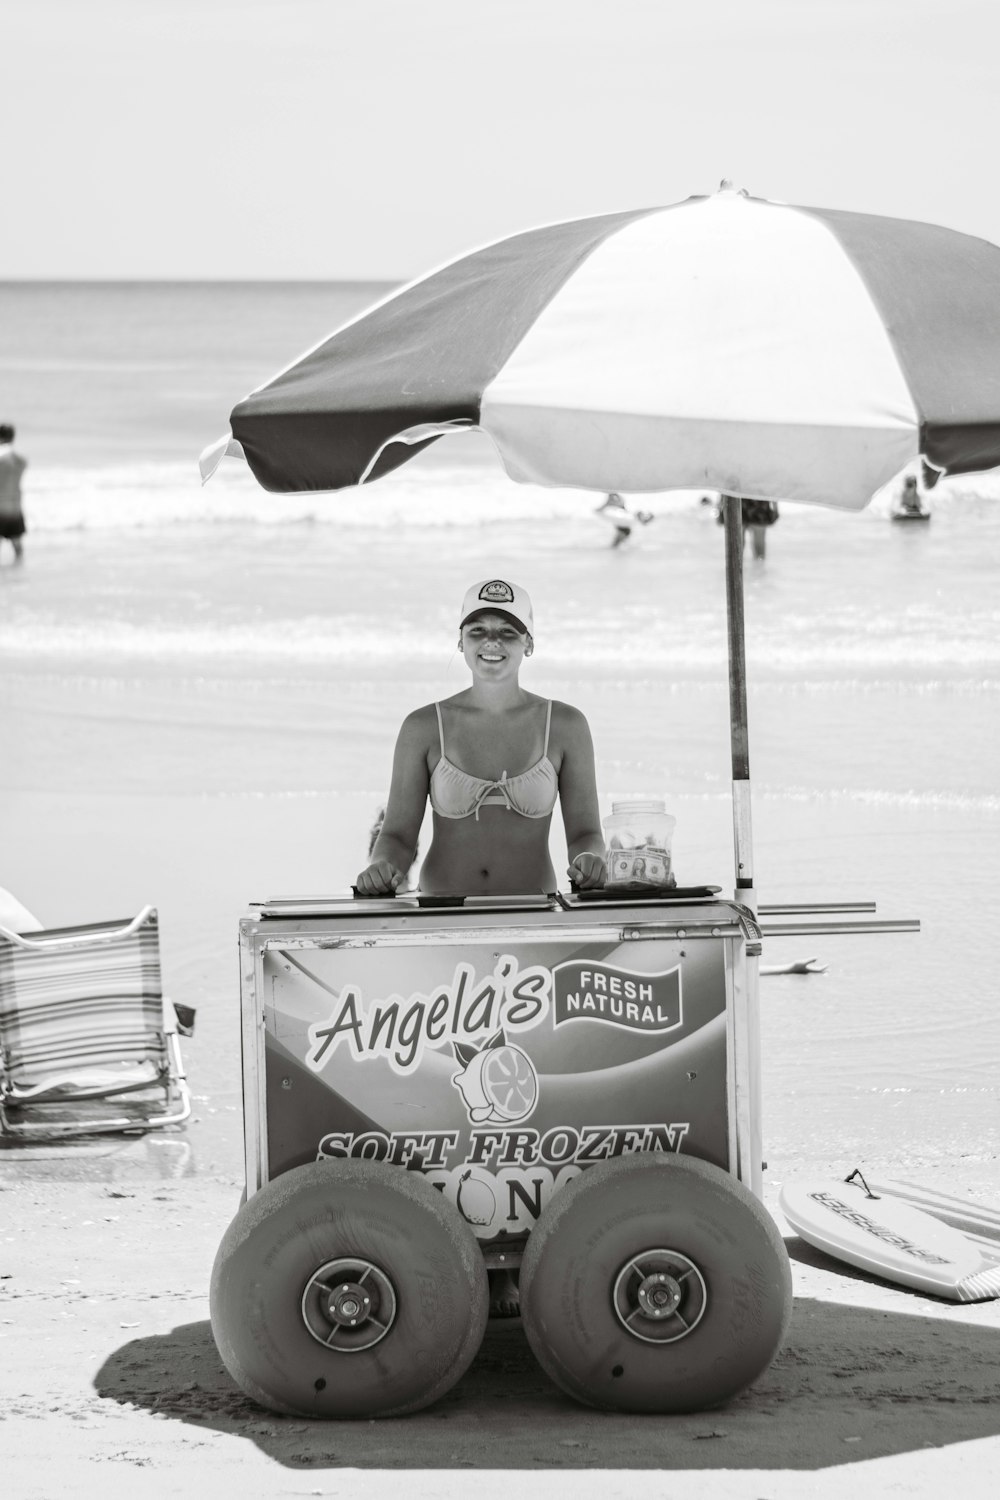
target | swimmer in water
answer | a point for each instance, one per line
(622, 519)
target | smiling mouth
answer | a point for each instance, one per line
(484, 657)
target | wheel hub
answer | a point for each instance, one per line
(349, 1305)
(659, 1296)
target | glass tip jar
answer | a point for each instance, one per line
(638, 834)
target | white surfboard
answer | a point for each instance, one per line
(971, 1218)
(892, 1239)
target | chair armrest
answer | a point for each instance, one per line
(87, 940)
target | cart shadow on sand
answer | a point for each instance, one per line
(845, 1387)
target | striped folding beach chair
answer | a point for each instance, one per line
(88, 1043)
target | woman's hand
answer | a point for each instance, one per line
(588, 871)
(381, 878)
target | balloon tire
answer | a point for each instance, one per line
(621, 1208)
(326, 1211)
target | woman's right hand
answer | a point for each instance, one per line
(380, 878)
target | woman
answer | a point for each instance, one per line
(493, 759)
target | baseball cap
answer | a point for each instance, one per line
(501, 598)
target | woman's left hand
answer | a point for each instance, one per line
(588, 871)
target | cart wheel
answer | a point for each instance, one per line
(655, 1284)
(348, 1289)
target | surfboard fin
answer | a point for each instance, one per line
(982, 1284)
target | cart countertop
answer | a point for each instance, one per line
(417, 904)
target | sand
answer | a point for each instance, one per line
(201, 783)
(110, 1376)
(108, 1370)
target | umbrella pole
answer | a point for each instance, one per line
(739, 736)
(746, 1000)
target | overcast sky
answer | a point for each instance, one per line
(377, 138)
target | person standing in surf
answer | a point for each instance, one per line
(12, 466)
(493, 759)
(911, 501)
(758, 515)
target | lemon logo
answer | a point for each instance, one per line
(498, 1082)
(476, 1200)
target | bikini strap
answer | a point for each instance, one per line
(440, 728)
(548, 721)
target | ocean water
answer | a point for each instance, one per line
(219, 646)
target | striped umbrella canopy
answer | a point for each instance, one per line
(724, 343)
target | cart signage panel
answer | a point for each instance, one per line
(500, 1069)
(401, 1027)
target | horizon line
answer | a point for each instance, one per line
(203, 280)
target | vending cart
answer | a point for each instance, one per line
(560, 1091)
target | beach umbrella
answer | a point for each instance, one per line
(724, 343)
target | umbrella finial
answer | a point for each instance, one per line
(726, 186)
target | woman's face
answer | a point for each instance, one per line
(493, 646)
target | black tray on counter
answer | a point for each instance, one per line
(649, 893)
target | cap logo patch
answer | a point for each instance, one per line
(497, 592)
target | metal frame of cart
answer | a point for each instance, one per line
(404, 926)
(307, 924)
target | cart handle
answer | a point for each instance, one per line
(879, 924)
(804, 908)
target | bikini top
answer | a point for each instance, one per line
(456, 794)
